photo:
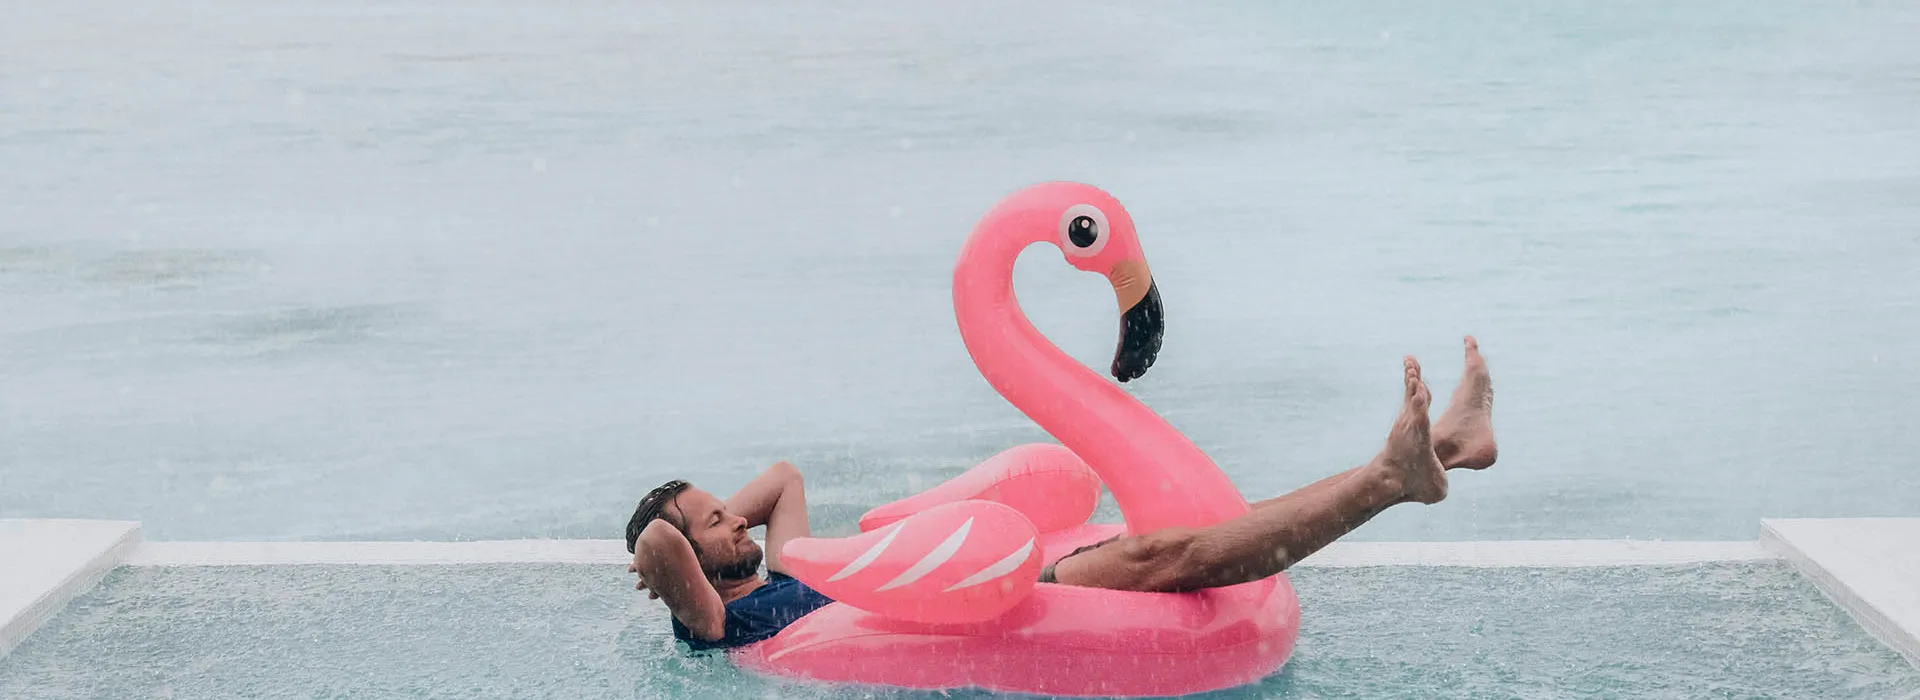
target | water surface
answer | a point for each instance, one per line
(400, 270)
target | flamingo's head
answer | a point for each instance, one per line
(1096, 234)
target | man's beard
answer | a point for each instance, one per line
(748, 566)
(745, 567)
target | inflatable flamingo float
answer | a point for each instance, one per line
(940, 589)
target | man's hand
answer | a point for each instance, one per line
(634, 568)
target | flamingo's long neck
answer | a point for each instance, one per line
(1158, 477)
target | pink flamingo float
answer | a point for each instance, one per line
(940, 589)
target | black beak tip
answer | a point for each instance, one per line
(1140, 331)
(1132, 368)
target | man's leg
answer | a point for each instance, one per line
(1268, 540)
(1462, 436)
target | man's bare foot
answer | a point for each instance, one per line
(1463, 435)
(1408, 459)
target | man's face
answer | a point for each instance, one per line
(719, 538)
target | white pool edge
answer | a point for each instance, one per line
(174, 554)
(1509, 553)
(53, 562)
(1869, 567)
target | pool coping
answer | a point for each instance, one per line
(49, 563)
(1870, 567)
(1479, 553)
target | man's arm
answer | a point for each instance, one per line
(665, 562)
(777, 499)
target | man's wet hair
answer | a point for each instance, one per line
(654, 506)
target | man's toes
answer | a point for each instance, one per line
(1417, 397)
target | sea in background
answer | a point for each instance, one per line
(493, 269)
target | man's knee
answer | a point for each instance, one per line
(1166, 560)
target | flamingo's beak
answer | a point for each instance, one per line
(1141, 322)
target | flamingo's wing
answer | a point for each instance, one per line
(961, 562)
(1048, 483)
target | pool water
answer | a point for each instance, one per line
(1746, 630)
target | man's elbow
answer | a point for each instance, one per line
(712, 630)
(787, 471)
(708, 627)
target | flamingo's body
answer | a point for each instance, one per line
(939, 591)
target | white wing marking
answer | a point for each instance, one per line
(997, 570)
(933, 560)
(872, 553)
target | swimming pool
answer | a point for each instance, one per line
(402, 270)
(1747, 629)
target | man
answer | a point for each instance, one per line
(692, 550)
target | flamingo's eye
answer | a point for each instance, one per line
(1083, 230)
